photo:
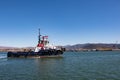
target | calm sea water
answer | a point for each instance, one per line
(72, 66)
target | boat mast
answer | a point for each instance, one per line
(39, 37)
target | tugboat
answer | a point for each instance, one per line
(43, 49)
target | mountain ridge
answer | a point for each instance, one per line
(78, 47)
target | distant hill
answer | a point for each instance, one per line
(3, 47)
(92, 46)
(76, 47)
(6, 49)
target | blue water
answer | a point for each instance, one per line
(72, 66)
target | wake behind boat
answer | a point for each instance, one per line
(43, 49)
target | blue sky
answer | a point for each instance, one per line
(64, 21)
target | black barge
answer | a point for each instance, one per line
(43, 49)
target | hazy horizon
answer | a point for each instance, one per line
(58, 45)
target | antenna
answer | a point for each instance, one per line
(39, 39)
(39, 31)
